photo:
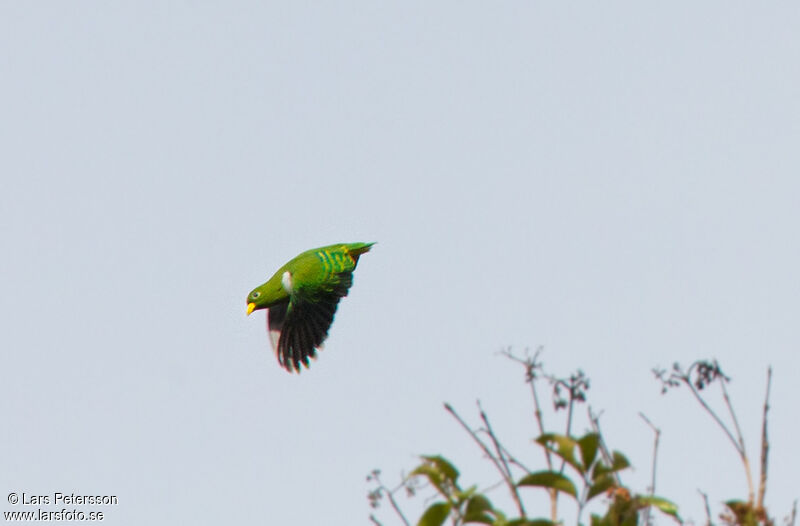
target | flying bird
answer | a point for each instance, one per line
(301, 299)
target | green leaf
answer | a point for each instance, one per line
(440, 473)
(462, 495)
(563, 446)
(435, 515)
(618, 463)
(735, 504)
(479, 518)
(668, 507)
(477, 508)
(630, 519)
(444, 466)
(500, 517)
(433, 476)
(743, 512)
(478, 504)
(550, 479)
(597, 520)
(531, 522)
(600, 486)
(589, 444)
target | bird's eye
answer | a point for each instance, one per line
(255, 295)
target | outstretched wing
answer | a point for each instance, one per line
(298, 328)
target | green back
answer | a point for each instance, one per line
(322, 268)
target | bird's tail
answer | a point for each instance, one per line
(356, 249)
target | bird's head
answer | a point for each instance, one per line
(266, 295)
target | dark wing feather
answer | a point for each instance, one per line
(302, 325)
(305, 328)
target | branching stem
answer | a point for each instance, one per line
(390, 494)
(531, 365)
(738, 440)
(499, 463)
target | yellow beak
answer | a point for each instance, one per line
(250, 308)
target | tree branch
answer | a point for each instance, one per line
(708, 508)
(762, 485)
(687, 380)
(657, 432)
(531, 366)
(742, 450)
(594, 420)
(509, 478)
(390, 494)
(495, 461)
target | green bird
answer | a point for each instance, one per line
(302, 297)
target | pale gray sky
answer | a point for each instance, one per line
(617, 181)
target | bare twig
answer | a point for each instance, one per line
(375, 521)
(594, 420)
(397, 509)
(727, 398)
(710, 411)
(511, 458)
(793, 516)
(499, 463)
(537, 405)
(708, 508)
(493, 486)
(569, 421)
(742, 450)
(762, 485)
(657, 432)
(708, 372)
(572, 387)
(575, 385)
(382, 489)
(499, 449)
(532, 365)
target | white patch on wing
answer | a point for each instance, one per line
(274, 336)
(286, 281)
(276, 316)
